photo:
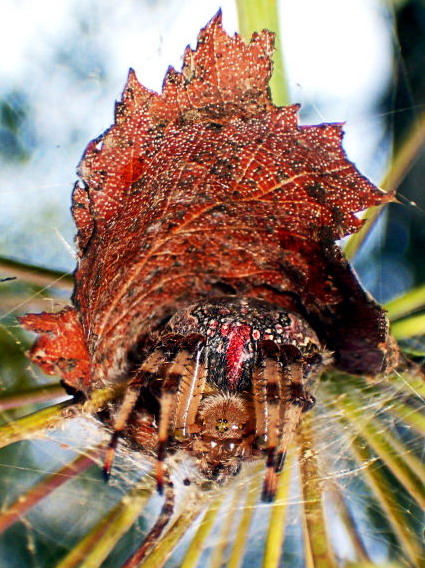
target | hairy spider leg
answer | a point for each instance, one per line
(282, 380)
(295, 401)
(267, 389)
(152, 365)
(120, 421)
(151, 539)
(192, 387)
(259, 390)
(181, 378)
(298, 400)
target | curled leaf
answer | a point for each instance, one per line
(208, 189)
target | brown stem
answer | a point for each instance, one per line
(42, 489)
(31, 425)
(44, 394)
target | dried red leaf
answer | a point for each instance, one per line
(205, 189)
(60, 348)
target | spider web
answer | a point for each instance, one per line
(46, 532)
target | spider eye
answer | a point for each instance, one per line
(222, 425)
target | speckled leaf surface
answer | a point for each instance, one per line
(208, 188)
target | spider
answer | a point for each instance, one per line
(227, 381)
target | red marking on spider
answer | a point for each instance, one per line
(238, 336)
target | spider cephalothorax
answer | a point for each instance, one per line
(232, 376)
(225, 435)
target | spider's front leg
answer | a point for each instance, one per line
(181, 392)
(268, 397)
(282, 388)
(150, 366)
(174, 371)
(300, 374)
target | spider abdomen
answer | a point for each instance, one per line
(234, 328)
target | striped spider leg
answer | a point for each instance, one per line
(181, 392)
(173, 372)
(283, 382)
